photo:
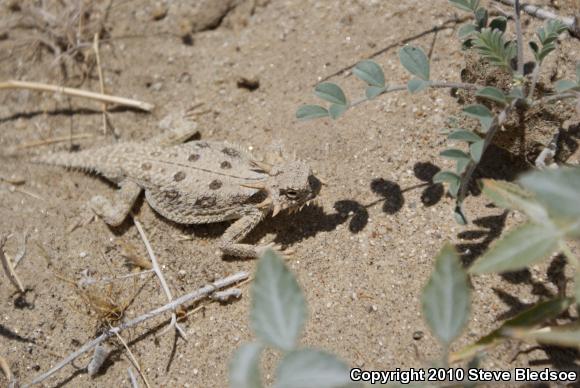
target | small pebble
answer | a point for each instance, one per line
(417, 335)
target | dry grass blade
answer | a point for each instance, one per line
(133, 360)
(161, 277)
(8, 268)
(54, 140)
(77, 93)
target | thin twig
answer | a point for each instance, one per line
(133, 360)
(55, 140)
(519, 37)
(89, 281)
(6, 369)
(22, 250)
(159, 274)
(191, 297)
(9, 268)
(101, 81)
(535, 11)
(12, 84)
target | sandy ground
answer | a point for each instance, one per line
(362, 259)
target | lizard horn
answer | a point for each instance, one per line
(276, 210)
(265, 203)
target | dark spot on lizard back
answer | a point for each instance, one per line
(155, 154)
(193, 157)
(231, 152)
(206, 201)
(171, 194)
(226, 165)
(215, 184)
(202, 144)
(179, 176)
(146, 166)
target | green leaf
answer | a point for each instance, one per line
(245, 367)
(490, 44)
(493, 94)
(416, 85)
(451, 178)
(564, 84)
(464, 135)
(476, 150)
(336, 110)
(461, 164)
(309, 368)
(550, 31)
(465, 5)
(278, 307)
(330, 92)
(480, 112)
(513, 197)
(373, 91)
(533, 316)
(519, 248)
(498, 23)
(466, 30)
(307, 112)
(446, 298)
(370, 72)
(516, 92)
(415, 61)
(453, 153)
(536, 49)
(481, 17)
(558, 190)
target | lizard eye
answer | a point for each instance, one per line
(291, 194)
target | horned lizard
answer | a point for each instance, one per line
(195, 182)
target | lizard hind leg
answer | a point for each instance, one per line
(230, 242)
(114, 213)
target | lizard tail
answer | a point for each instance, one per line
(84, 160)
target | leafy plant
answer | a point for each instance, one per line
(488, 38)
(277, 317)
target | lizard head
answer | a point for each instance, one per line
(290, 185)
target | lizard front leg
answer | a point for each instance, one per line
(230, 242)
(114, 213)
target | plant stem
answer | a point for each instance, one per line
(519, 37)
(535, 75)
(466, 177)
(432, 84)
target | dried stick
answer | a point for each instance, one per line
(191, 297)
(101, 81)
(133, 360)
(159, 274)
(533, 10)
(8, 268)
(6, 369)
(54, 140)
(22, 250)
(13, 84)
